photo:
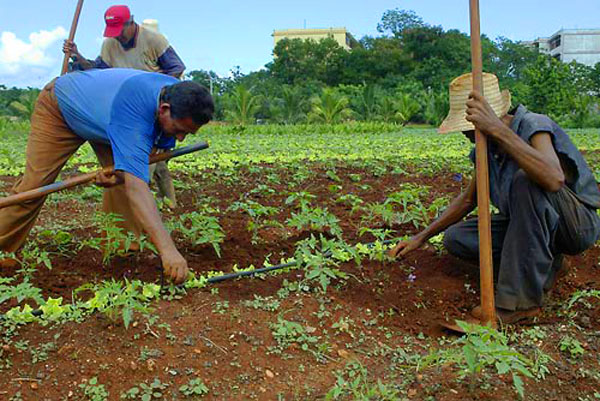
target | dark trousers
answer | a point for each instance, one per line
(527, 245)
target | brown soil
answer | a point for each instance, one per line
(214, 335)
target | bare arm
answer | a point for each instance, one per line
(461, 206)
(146, 213)
(538, 160)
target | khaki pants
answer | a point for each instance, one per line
(50, 144)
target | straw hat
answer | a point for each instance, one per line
(459, 93)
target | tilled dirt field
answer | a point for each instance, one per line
(380, 321)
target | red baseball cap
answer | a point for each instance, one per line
(115, 17)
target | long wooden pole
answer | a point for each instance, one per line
(89, 177)
(483, 183)
(65, 65)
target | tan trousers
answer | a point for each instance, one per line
(50, 144)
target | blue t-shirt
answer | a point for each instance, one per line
(116, 106)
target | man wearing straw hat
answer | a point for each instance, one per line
(129, 45)
(545, 193)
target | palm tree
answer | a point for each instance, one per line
(387, 109)
(289, 109)
(406, 108)
(26, 103)
(243, 105)
(329, 108)
(368, 102)
(437, 107)
(398, 109)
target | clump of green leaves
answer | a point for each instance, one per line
(321, 257)
(115, 298)
(571, 346)
(354, 384)
(258, 214)
(145, 392)
(194, 387)
(201, 229)
(94, 391)
(112, 239)
(484, 347)
(315, 219)
(286, 333)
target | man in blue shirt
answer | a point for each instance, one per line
(124, 114)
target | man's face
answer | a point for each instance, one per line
(178, 128)
(127, 33)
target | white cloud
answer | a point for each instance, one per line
(26, 63)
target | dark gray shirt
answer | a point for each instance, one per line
(502, 167)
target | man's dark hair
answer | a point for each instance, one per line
(189, 99)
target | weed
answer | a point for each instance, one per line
(114, 298)
(269, 304)
(484, 347)
(94, 391)
(194, 387)
(354, 383)
(571, 346)
(287, 333)
(320, 259)
(201, 229)
(145, 392)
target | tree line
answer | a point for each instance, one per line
(400, 75)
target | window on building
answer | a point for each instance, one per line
(555, 42)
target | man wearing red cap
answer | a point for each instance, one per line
(129, 45)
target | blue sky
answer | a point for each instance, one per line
(220, 34)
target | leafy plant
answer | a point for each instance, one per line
(112, 239)
(194, 387)
(315, 219)
(572, 346)
(114, 298)
(286, 333)
(94, 391)
(329, 108)
(484, 347)
(320, 259)
(145, 392)
(354, 383)
(258, 216)
(243, 106)
(201, 229)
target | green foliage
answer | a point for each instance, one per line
(329, 108)
(290, 107)
(354, 384)
(286, 333)
(320, 259)
(243, 106)
(114, 298)
(572, 346)
(194, 387)
(258, 215)
(94, 391)
(24, 105)
(20, 292)
(145, 392)
(112, 239)
(201, 229)
(406, 108)
(436, 108)
(315, 219)
(484, 347)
